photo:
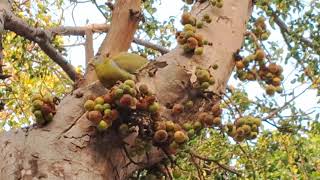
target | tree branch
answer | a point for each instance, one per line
(42, 38)
(223, 166)
(273, 113)
(89, 46)
(100, 28)
(2, 76)
(78, 30)
(150, 45)
(282, 25)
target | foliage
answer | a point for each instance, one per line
(28, 66)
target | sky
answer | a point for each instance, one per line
(86, 13)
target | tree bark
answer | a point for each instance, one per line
(69, 147)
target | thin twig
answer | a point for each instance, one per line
(97, 5)
(253, 37)
(244, 152)
(168, 172)
(285, 104)
(223, 166)
(235, 106)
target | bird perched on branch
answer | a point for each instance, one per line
(120, 67)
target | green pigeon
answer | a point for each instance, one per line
(120, 67)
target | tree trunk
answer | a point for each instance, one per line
(70, 148)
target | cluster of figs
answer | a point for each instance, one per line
(125, 105)
(256, 66)
(43, 108)
(191, 41)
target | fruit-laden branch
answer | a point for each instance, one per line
(283, 27)
(226, 36)
(100, 28)
(41, 37)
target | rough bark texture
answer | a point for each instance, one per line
(226, 32)
(69, 148)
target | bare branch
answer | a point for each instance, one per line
(100, 28)
(41, 37)
(89, 46)
(150, 45)
(197, 166)
(3, 76)
(78, 30)
(223, 166)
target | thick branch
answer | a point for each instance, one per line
(41, 37)
(124, 23)
(225, 32)
(2, 76)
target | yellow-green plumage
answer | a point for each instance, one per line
(129, 61)
(118, 68)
